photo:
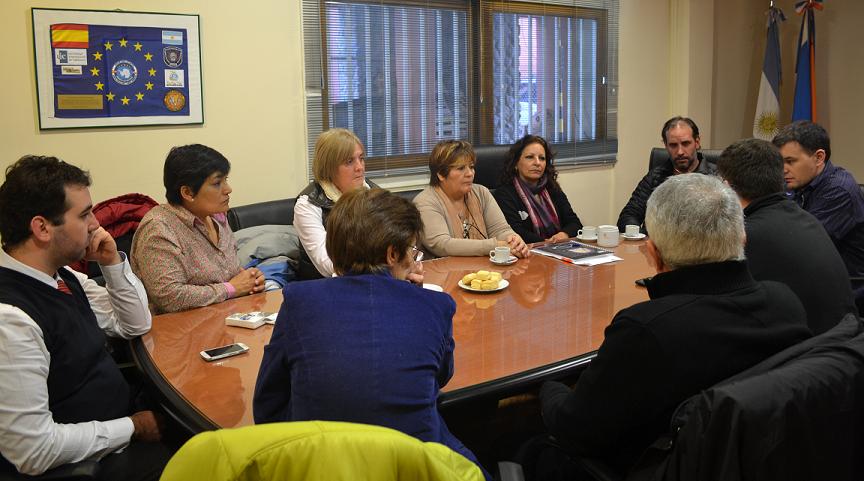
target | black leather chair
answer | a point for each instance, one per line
(796, 416)
(279, 212)
(660, 156)
(489, 167)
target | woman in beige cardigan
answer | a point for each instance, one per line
(461, 218)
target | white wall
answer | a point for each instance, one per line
(740, 46)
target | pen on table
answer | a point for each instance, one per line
(568, 261)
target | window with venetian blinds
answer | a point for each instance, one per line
(404, 75)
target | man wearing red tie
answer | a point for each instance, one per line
(64, 399)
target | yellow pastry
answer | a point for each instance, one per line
(482, 275)
(495, 276)
(489, 285)
(476, 284)
(468, 278)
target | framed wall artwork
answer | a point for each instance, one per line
(111, 68)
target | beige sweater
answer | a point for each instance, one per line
(438, 240)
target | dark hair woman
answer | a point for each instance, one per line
(530, 197)
(184, 251)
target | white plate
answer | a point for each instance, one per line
(502, 284)
(509, 261)
(433, 287)
(583, 238)
(638, 236)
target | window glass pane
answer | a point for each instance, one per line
(397, 75)
(544, 77)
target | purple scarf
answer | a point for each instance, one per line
(543, 216)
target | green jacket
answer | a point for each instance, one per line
(315, 450)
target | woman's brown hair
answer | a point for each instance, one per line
(364, 224)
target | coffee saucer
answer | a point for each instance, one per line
(586, 238)
(638, 236)
(509, 261)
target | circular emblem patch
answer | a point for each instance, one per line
(124, 72)
(174, 100)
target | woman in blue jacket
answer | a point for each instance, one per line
(367, 346)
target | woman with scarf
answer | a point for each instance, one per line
(461, 218)
(530, 197)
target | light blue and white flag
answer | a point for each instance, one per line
(766, 123)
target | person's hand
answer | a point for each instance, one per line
(416, 274)
(248, 281)
(148, 427)
(561, 236)
(102, 248)
(517, 246)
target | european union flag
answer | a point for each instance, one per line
(114, 71)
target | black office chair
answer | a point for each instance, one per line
(279, 212)
(798, 415)
(660, 156)
(491, 160)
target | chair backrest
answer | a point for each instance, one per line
(491, 160)
(316, 450)
(279, 212)
(660, 156)
(798, 415)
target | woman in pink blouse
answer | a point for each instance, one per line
(184, 251)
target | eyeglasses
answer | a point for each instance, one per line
(416, 254)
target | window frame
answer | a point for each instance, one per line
(479, 81)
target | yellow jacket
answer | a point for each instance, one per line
(315, 450)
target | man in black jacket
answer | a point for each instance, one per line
(707, 319)
(784, 242)
(681, 139)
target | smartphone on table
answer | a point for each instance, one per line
(224, 351)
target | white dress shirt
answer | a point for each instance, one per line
(29, 437)
(308, 221)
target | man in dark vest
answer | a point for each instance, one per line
(64, 399)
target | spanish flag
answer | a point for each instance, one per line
(69, 35)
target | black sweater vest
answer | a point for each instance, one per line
(84, 383)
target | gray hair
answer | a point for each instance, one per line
(695, 219)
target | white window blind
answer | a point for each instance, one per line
(405, 75)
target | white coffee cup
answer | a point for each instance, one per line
(588, 232)
(500, 254)
(631, 230)
(607, 236)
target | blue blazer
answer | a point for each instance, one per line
(360, 348)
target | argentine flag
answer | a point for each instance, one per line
(766, 123)
(804, 106)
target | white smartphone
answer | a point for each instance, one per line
(224, 351)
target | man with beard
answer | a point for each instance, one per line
(64, 399)
(681, 139)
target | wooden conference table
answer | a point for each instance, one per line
(548, 323)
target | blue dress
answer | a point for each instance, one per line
(360, 348)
